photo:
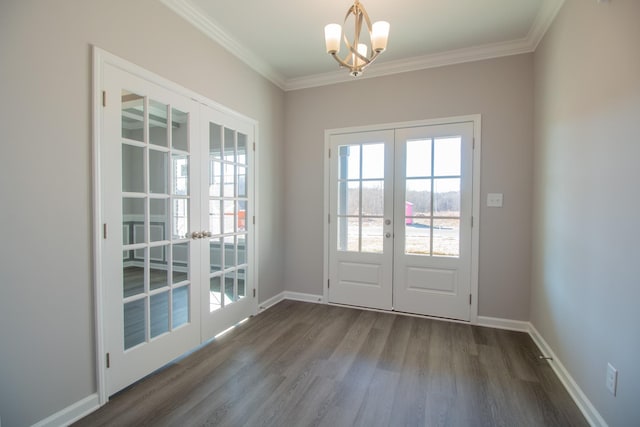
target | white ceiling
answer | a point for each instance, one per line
(284, 39)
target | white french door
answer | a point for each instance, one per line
(176, 244)
(402, 234)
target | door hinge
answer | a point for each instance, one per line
(254, 146)
(254, 292)
(254, 220)
(469, 299)
(329, 152)
(104, 98)
(328, 283)
(471, 222)
(104, 230)
(329, 218)
(108, 361)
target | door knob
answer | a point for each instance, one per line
(387, 221)
(387, 235)
(206, 233)
(196, 235)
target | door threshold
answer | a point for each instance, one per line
(403, 313)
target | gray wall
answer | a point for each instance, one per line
(500, 89)
(46, 290)
(586, 269)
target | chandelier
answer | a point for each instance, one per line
(358, 56)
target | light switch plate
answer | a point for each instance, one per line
(494, 200)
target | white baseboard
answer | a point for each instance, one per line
(71, 413)
(266, 304)
(508, 324)
(584, 404)
(299, 296)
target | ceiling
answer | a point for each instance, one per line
(284, 39)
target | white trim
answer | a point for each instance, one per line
(268, 303)
(203, 22)
(475, 231)
(71, 413)
(507, 324)
(582, 401)
(299, 296)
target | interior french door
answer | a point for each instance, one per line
(402, 203)
(176, 246)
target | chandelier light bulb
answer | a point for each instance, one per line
(379, 36)
(332, 33)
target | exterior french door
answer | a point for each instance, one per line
(176, 243)
(401, 218)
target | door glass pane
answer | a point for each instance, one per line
(179, 130)
(373, 161)
(242, 249)
(158, 123)
(215, 255)
(418, 197)
(417, 236)
(229, 180)
(135, 324)
(215, 141)
(349, 162)
(242, 215)
(229, 252)
(159, 219)
(229, 145)
(180, 262)
(373, 198)
(242, 148)
(229, 293)
(229, 216)
(242, 181)
(447, 156)
(372, 235)
(446, 198)
(159, 314)
(215, 217)
(158, 172)
(241, 276)
(180, 218)
(180, 185)
(349, 198)
(132, 116)
(215, 178)
(446, 237)
(180, 306)
(418, 158)
(215, 295)
(132, 275)
(158, 272)
(348, 234)
(133, 214)
(132, 169)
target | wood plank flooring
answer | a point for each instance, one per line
(301, 364)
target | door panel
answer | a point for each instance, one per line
(361, 227)
(433, 196)
(148, 267)
(227, 250)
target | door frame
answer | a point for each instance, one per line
(101, 58)
(476, 119)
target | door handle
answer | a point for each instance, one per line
(387, 221)
(196, 235)
(387, 235)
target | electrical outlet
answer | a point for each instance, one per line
(612, 378)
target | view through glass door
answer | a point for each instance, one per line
(402, 203)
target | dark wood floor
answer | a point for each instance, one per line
(300, 364)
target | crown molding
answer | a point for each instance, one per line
(196, 17)
(542, 22)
